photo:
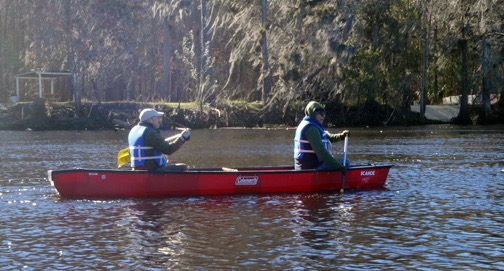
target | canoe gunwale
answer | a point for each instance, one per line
(248, 170)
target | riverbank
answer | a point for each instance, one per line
(40, 115)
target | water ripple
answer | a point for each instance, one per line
(442, 209)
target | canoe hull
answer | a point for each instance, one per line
(126, 183)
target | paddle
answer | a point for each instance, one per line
(345, 147)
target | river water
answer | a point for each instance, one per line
(443, 207)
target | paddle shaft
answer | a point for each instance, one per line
(345, 148)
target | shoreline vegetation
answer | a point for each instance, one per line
(41, 115)
(250, 63)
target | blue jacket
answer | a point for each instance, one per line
(303, 151)
(138, 148)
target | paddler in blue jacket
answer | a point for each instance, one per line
(148, 147)
(312, 142)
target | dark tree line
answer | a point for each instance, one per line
(278, 52)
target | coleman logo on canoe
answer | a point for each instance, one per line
(246, 180)
(367, 173)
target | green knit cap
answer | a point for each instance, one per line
(312, 107)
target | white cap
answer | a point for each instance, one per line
(149, 113)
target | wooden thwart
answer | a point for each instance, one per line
(229, 169)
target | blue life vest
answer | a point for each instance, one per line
(137, 148)
(303, 151)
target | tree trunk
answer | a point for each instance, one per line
(164, 88)
(406, 93)
(96, 83)
(201, 70)
(425, 63)
(39, 116)
(266, 78)
(205, 69)
(70, 63)
(485, 88)
(370, 99)
(435, 87)
(464, 117)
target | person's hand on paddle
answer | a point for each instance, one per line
(344, 134)
(186, 134)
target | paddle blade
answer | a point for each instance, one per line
(123, 157)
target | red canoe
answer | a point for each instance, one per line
(214, 181)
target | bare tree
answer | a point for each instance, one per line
(205, 82)
(425, 59)
(464, 117)
(266, 77)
